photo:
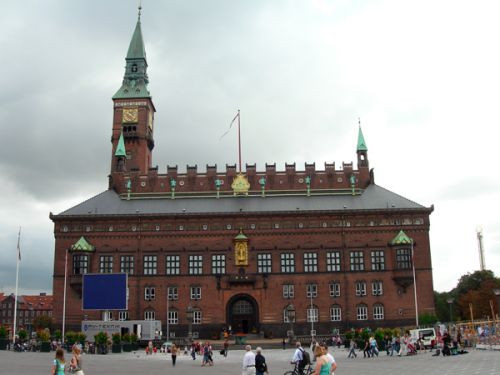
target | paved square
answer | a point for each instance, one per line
(476, 362)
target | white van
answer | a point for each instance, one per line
(428, 335)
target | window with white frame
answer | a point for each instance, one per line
(360, 288)
(218, 264)
(377, 288)
(80, 264)
(335, 313)
(286, 319)
(311, 290)
(264, 263)
(378, 260)
(333, 261)
(196, 316)
(172, 264)
(123, 315)
(334, 289)
(150, 264)
(149, 315)
(361, 312)
(312, 314)
(310, 262)
(149, 293)
(196, 292)
(378, 311)
(288, 291)
(106, 264)
(287, 262)
(172, 293)
(107, 315)
(127, 264)
(403, 259)
(195, 264)
(173, 317)
(357, 261)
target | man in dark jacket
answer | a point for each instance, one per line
(260, 362)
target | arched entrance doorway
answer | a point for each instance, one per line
(243, 314)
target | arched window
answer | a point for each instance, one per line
(335, 313)
(286, 318)
(242, 307)
(378, 311)
(149, 315)
(196, 316)
(362, 312)
(312, 313)
(173, 316)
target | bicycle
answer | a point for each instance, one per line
(308, 370)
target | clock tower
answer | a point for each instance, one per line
(133, 113)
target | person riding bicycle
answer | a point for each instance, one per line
(298, 358)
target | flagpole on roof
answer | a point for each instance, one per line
(17, 283)
(239, 141)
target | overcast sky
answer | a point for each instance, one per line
(423, 76)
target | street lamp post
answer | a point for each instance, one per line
(189, 315)
(450, 302)
(290, 311)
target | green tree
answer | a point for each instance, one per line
(42, 322)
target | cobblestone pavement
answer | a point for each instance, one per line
(476, 362)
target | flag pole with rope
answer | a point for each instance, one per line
(18, 260)
(239, 141)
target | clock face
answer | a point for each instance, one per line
(150, 120)
(130, 115)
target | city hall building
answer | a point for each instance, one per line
(258, 251)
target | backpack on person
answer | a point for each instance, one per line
(306, 360)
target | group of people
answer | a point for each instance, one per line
(325, 362)
(75, 364)
(254, 363)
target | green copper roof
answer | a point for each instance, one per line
(120, 148)
(136, 49)
(241, 236)
(135, 81)
(401, 239)
(361, 141)
(82, 245)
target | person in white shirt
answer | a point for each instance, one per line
(298, 356)
(248, 362)
(330, 358)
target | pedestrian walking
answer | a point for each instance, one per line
(58, 367)
(298, 358)
(260, 363)
(248, 362)
(323, 366)
(366, 349)
(174, 351)
(330, 358)
(283, 343)
(352, 349)
(75, 365)
(193, 351)
(226, 347)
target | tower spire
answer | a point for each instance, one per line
(361, 140)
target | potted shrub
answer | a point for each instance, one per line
(70, 339)
(134, 341)
(127, 345)
(44, 337)
(80, 338)
(117, 343)
(22, 334)
(101, 342)
(3, 338)
(57, 335)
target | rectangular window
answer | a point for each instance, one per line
(287, 262)
(362, 312)
(357, 261)
(106, 264)
(123, 315)
(173, 317)
(149, 315)
(195, 264)
(264, 263)
(310, 262)
(335, 314)
(378, 312)
(288, 291)
(172, 293)
(312, 314)
(218, 264)
(403, 259)
(149, 293)
(360, 288)
(172, 264)
(150, 264)
(311, 290)
(196, 292)
(378, 260)
(333, 261)
(196, 316)
(334, 289)
(127, 264)
(377, 288)
(80, 264)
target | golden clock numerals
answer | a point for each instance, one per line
(130, 115)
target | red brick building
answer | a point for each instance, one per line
(237, 249)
